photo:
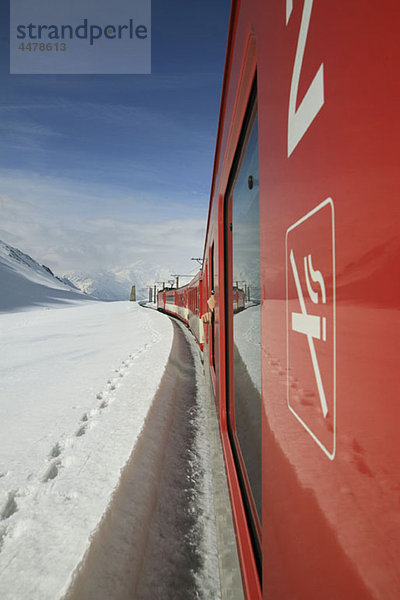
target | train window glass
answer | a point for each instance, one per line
(212, 283)
(246, 311)
(205, 296)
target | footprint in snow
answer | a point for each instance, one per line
(55, 451)
(10, 506)
(52, 471)
(81, 431)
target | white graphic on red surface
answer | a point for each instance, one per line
(311, 324)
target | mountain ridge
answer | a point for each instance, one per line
(25, 283)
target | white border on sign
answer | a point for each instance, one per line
(328, 201)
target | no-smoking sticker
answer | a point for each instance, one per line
(311, 324)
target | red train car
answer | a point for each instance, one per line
(304, 216)
(185, 303)
(305, 210)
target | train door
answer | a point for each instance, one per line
(242, 280)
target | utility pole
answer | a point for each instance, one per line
(177, 279)
(199, 260)
(178, 276)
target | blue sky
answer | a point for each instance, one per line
(122, 158)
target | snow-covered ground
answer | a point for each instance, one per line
(76, 386)
(104, 450)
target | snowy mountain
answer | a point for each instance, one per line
(116, 284)
(103, 285)
(24, 283)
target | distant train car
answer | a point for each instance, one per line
(185, 304)
(166, 300)
(302, 258)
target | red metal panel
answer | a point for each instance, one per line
(328, 96)
(328, 90)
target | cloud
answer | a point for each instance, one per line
(65, 197)
(27, 128)
(132, 145)
(87, 244)
(140, 118)
(104, 184)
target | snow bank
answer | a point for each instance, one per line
(76, 386)
(157, 539)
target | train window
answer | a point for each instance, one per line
(205, 296)
(245, 316)
(212, 289)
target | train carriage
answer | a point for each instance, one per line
(185, 303)
(302, 258)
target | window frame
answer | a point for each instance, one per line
(254, 522)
